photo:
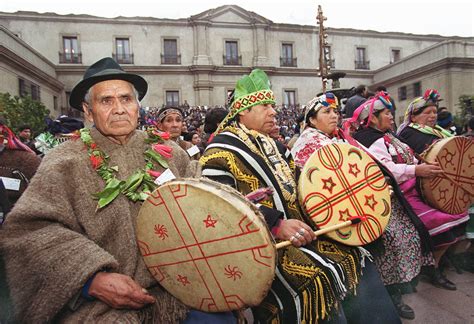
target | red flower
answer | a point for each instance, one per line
(163, 150)
(93, 146)
(154, 173)
(163, 135)
(96, 161)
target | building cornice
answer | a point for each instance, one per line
(254, 20)
(443, 64)
(20, 64)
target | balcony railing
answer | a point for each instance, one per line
(170, 59)
(72, 58)
(288, 61)
(123, 58)
(232, 60)
(362, 65)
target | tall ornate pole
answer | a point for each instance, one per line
(324, 54)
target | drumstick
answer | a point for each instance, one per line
(453, 181)
(351, 221)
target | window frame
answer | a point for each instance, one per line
(170, 59)
(392, 58)
(117, 56)
(75, 58)
(295, 96)
(231, 60)
(166, 97)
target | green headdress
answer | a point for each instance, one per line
(250, 90)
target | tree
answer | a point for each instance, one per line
(20, 111)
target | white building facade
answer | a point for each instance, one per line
(199, 59)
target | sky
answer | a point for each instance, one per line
(446, 18)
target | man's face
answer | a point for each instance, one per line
(113, 108)
(259, 118)
(25, 134)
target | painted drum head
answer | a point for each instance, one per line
(340, 181)
(206, 245)
(453, 192)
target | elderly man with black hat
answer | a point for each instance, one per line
(69, 243)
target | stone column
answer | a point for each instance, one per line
(260, 57)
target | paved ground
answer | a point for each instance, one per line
(439, 306)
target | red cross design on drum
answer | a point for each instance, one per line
(215, 246)
(340, 181)
(453, 192)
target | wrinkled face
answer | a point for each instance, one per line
(26, 133)
(427, 117)
(172, 123)
(259, 118)
(113, 108)
(196, 139)
(384, 121)
(325, 120)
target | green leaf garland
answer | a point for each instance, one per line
(138, 185)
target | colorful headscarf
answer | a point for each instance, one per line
(380, 101)
(431, 97)
(250, 90)
(327, 99)
(163, 112)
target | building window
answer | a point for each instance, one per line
(122, 53)
(289, 99)
(395, 55)
(55, 103)
(170, 52)
(232, 56)
(402, 93)
(70, 53)
(361, 62)
(287, 58)
(28, 88)
(172, 98)
(417, 89)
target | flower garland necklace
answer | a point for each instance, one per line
(138, 185)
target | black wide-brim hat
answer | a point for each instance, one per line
(103, 70)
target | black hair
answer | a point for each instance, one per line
(23, 127)
(213, 119)
(189, 136)
(360, 89)
(310, 115)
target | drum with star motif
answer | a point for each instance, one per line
(453, 191)
(206, 245)
(340, 181)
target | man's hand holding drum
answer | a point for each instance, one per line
(295, 231)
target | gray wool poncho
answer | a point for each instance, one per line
(54, 240)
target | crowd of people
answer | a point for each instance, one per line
(70, 198)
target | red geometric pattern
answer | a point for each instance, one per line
(453, 192)
(348, 183)
(215, 240)
(254, 98)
